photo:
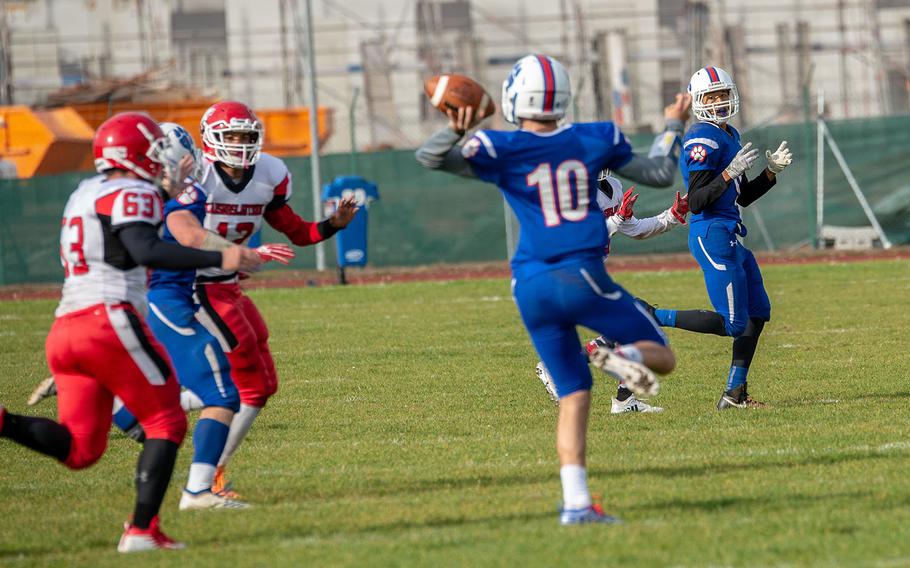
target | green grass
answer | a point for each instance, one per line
(410, 430)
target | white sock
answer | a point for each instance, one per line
(630, 352)
(240, 427)
(575, 494)
(201, 477)
(189, 401)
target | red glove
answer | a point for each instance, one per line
(680, 207)
(628, 202)
(278, 252)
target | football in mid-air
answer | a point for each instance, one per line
(455, 91)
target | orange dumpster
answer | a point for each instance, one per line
(45, 142)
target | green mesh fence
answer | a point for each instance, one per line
(427, 217)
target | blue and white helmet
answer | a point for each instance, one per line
(708, 80)
(180, 143)
(538, 88)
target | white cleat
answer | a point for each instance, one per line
(632, 404)
(208, 500)
(45, 389)
(547, 381)
(636, 377)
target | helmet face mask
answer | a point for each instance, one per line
(537, 88)
(180, 145)
(232, 135)
(704, 87)
(603, 180)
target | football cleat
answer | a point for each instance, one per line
(632, 404)
(209, 500)
(650, 308)
(2, 416)
(738, 398)
(547, 381)
(634, 376)
(135, 539)
(221, 486)
(592, 514)
(600, 342)
(45, 389)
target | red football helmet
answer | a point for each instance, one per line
(236, 118)
(130, 141)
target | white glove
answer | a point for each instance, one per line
(779, 159)
(742, 161)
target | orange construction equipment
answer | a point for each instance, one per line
(287, 131)
(45, 142)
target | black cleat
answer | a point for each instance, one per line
(648, 307)
(734, 398)
(738, 398)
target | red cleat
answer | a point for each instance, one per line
(135, 539)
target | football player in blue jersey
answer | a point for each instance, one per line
(547, 172)
(713, 164)
(199, 359)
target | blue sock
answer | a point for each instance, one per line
(666, 318)
(209, 439)
(736, 377)
(124, 419)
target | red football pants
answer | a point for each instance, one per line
(101, 352)
(234, 319)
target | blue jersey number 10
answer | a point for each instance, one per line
(561, 200)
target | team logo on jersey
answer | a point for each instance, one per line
(698, 153)
(188, 196)
(471, 148)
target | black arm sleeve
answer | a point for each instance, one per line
(704, 189)
(326, 229)
(147, 249)
(752, 190)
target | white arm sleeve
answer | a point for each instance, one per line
(614, 222)
(649, 226)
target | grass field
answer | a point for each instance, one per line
(410, 430)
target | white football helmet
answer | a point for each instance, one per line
(708, 80)
(538, 88)
(180, 143)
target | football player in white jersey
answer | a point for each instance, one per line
(618, 209)
(244, 186)
(99, 346)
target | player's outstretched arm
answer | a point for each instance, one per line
(146, 248)
(752, 190)
(658, 224)
(441, 151)
(303, 233)
(189, 232)
(659, 168)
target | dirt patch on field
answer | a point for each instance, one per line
(442, 272)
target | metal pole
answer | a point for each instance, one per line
(867, 209)
(351, 110)
(316, 178)
(807, 137)
(6, 60)
(820, 172)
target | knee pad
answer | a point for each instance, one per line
(167, 424)
(736, 327)
(85, 451)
